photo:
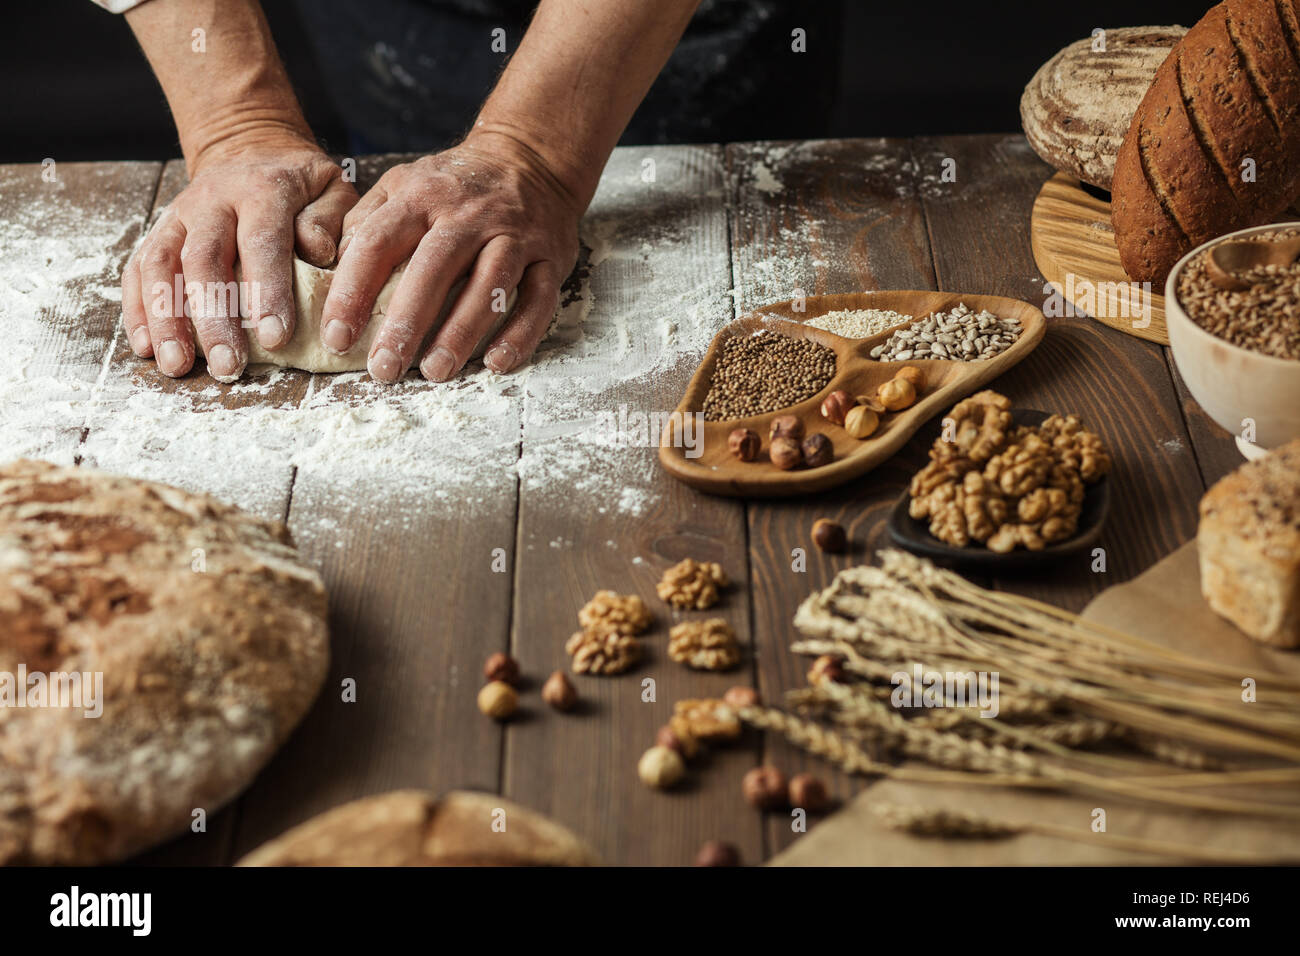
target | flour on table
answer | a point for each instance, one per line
(631, 321)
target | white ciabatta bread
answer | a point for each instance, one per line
(194, 627)
(1249, 545)
(1078, 106)
(412, 828)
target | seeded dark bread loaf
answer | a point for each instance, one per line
(1228, 92)
(1078, 106)
(411, 828)
(209, 636)
(1249, 546)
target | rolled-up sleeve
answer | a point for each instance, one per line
(118, 6)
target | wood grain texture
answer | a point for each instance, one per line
(64, 243)
(838, 216)
(580, 768)
(715, 470)
(1074, 246)
(1119, 385)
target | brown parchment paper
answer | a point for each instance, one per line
(1163, 605)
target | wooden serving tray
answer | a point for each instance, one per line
(946, 381)
(1074, 247)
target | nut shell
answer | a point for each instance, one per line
(744, 443)
(498, 700)
(912, 375)
(559, 692)
(765, 788)
(861, 422)
(717, 853)
(817, 450)
(829, 536)
(786, 426)
(660, 768)
(786, 453)
(836, 405)
(501, 667)
(896, 394)
(808, 793)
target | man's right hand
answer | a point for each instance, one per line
(255, 201)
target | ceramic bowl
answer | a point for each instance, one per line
(1231, 383)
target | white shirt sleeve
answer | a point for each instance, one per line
(117, 6)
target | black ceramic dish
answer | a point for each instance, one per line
(914, 535)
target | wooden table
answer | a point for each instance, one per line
(413, 630)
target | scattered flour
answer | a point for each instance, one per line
(645, 310)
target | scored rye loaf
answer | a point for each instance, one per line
(1078, 106)
(1213, 145)
(208, 636)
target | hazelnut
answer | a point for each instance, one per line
(498, 700)
(869, 402)
(829, 536)
(502, 667)
(836, 405)
(861, 421)
(744, 444)
(817, 450)
(660, 768)
(678, 739)
(738, 698)
(785, 453)
(826, 668)
(912, 375)
(787, 426)
(558, 691)
(896, 394)
(717, 853)
(809, 793)
(765, 788)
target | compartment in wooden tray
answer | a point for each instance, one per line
(715, 470)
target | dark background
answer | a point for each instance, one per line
(76, 86)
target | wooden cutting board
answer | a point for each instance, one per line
(705, 462)
(1074, 246)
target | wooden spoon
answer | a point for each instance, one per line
(1228, 259)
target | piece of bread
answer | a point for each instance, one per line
(1249, 545)
(1228, 92)
(1078, 106)
(412, 828)
(201, 639)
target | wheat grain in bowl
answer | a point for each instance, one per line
(1237, 351)
(1263, 318)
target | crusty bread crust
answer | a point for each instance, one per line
(1228, 92)
(210, 636)
(1249, 546)
(412, 828)
(1078, 105)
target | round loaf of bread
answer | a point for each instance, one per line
(156, 647)
(1078, 106)
(411, 828)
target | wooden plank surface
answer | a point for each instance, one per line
(573, 540)
(65, 233)
(824, 217)
(415, 602)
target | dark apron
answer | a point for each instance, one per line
(410, 75)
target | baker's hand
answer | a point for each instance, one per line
(489, 209)
(255, 200)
